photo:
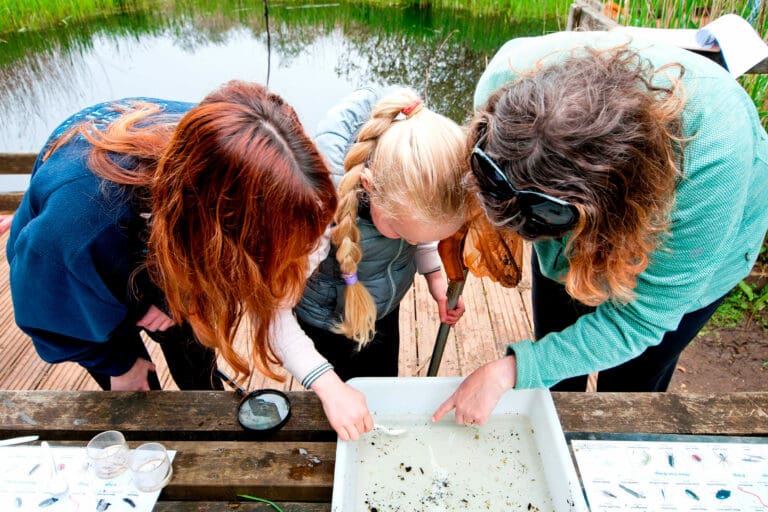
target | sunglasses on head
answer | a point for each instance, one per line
(549, 214)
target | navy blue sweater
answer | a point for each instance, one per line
(75, 241)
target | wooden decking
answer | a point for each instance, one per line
(494, 316)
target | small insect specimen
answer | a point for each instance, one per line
(631, 492)
(47, 502)
(692, 494)
(723, 494)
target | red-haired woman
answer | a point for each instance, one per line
(179, 219)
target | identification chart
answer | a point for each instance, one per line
(28, 482)
(681, 476)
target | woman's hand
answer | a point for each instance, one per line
(134, 379)
(155, 320)
(438, 288)
(476, 397)
(344, 406)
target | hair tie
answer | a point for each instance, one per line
(410, 108)
(350, 279)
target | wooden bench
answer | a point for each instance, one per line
(216, 459)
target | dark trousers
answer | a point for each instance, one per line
(379, 358)
(190, 363)
(554, 310)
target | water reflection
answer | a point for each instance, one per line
(319, 53)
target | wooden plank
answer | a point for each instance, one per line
(587, 16)
(10, 201)
(296, 471)
(734, 414)
(188, 415)
(508, 314)
(17, 163)
(408, 361)
(474, 337)
(524, 288)
(193, 415)
(238, 506)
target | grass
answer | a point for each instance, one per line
(23, 15)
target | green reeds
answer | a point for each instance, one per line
(16, 15)
(23, 15)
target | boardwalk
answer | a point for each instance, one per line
(494, 316)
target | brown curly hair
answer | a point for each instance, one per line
(602, 130)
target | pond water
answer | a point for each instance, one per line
(314, 55)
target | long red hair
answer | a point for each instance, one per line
(239, 196)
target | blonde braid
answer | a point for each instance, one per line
(359, 307)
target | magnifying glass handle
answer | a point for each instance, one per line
(223, 376)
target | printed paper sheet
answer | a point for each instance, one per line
(659, 476)
(25, 477)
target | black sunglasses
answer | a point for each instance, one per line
(540, 208)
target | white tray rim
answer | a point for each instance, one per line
(423, 395)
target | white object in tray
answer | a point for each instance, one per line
(519, 460)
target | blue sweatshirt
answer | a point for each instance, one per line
(75, 241)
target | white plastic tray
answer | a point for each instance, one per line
(365, 481)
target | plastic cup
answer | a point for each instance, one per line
(150, 467)
(108, 454)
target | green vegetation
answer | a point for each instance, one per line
(40, 14)
(22, 15)
(745, 305)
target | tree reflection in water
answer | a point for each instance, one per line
(184, 52)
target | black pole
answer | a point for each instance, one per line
(454, 292)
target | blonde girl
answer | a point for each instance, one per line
(398, 168)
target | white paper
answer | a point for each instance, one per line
(25, 471)
(741, 46)
(681, 37)
(653, 476)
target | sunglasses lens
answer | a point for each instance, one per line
(542, 209)
(489, 177)
(545, 210)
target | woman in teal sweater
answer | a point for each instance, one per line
(640, 173)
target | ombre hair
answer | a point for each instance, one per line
(238, 196)
(602, 130)
(415, 160)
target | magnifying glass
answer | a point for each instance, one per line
(263, 410)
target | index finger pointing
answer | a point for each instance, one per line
(444, 408)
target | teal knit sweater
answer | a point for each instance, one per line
(718, 222)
